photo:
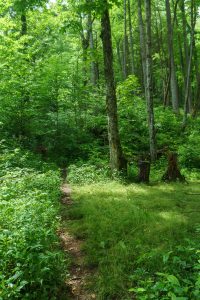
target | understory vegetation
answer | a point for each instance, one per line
(32, 265)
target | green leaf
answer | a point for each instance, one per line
(173, 279)
(137, 290)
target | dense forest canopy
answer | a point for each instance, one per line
(53, 84)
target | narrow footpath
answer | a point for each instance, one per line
(78, 279)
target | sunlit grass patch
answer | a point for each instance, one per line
(173, 217)
(127, 227)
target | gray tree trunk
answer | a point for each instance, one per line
(125, 61)
(197, 77)
(189, 65)
(119, 56)
(94, 65)
(117, 161)
(142, 42)
(196, 104)
(131, 38)
(163, 55)
(85, 40)
(173, 82)
(149, 92)
(187, 55)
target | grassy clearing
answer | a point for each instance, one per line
(133, 231)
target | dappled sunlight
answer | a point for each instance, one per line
(138, 189)
(172, 217)
(102, 189)
(173, 198)
(167, 188)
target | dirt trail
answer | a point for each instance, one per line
(79, 273)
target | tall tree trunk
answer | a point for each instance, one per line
(184, 24)
(179, 38)
(181, 57)
(196, 103)
(149, 94)
(142, 42)
(186, 54)
(197, 77)
(125, 64)
(174, 84)
(117, 161)
(189, 65)
(131, 38)
(163, 55)
(119, 56)
(23, 23)
(94, 65)
(85, 40)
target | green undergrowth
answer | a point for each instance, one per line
(143, 241)
(32, 265)
(83, 173)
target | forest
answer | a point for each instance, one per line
(100, 149)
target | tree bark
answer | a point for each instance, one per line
(173, 173)
(149, 94)
(125, 61)
(197, 77)
(94, 65)
(181, 57)
(173, 82)
(144, 169)
(189, 65)
(85, 40)
(196, 103)
(184, 24)
(163, 58)
(117, 161)
(142, 42)
(187, 56)
(131, 38)
(23, 24)
(119, 56)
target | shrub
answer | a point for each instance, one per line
(87, 173)
(168, 128)
(180, 278)
(31, 263)
(189, 151)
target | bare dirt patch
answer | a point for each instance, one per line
(79, 277)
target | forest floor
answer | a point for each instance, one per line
(79, 273)
(116, 233)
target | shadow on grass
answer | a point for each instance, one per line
(131, 226)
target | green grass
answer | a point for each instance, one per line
(129, 230)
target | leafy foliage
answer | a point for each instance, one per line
(29, 253)
(86, 173)
(182, 283)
